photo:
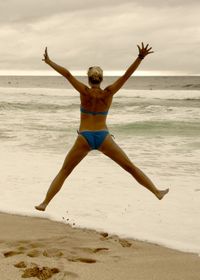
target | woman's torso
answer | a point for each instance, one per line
(96, 100)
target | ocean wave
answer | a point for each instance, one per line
(159, 94)
(159, 127)
(36, 106)
(191, 86)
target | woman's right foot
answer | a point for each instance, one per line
(162, 193)
(41, 207)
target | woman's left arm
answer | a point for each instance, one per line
(80, 87)
(143, 51)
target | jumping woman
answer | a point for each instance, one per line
(93, 132)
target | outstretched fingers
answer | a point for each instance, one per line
(142, 45)
(148, 50)
(144, 49)
(45, 53)
(139, 48)
(46, 57)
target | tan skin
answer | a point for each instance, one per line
(93, 98)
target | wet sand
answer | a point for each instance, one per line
(38, 248)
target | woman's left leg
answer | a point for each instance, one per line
(112, 150)
(79, 150)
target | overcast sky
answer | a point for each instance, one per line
(81, 33)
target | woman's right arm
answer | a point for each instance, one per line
(80, 87)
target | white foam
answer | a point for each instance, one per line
(109, 199)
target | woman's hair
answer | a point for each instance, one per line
(95, 75)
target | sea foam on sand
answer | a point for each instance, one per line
(107, 200)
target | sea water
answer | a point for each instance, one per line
(159, 130)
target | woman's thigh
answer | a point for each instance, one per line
(78, 151)
(113, 151)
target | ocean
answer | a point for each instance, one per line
(155, 120)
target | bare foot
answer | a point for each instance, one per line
(41, 207)
(162, 193)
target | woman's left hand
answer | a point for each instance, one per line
(144, 51)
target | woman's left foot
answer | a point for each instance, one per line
(41, 207)
(162, 193)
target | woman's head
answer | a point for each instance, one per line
(95, 75)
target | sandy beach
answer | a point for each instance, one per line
(44, 249)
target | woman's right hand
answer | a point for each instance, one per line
(46, 58)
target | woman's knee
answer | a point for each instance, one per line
(64, 172)
(66, 169)
(129, 167)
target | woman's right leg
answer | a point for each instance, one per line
(112, 150)
(79, 150)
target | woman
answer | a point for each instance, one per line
(93, 132)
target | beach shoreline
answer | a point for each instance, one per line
(38, 128)
(35, 243)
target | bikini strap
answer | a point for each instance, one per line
(93, 113)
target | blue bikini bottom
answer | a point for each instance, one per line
(94, 137)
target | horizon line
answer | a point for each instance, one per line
(82, 73)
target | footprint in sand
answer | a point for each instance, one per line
(21, 264)
(52, 253)
(21, 249)
(92, 250)
(34, 253)
(96, 250)
(104, 234)
(35, 271)
(125, 243)
(84, 260)
(41, 273)
(11, 253)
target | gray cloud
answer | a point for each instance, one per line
(81, 33)
(25, 11)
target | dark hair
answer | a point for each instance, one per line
(95, 80)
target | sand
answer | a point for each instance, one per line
(38, 248)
